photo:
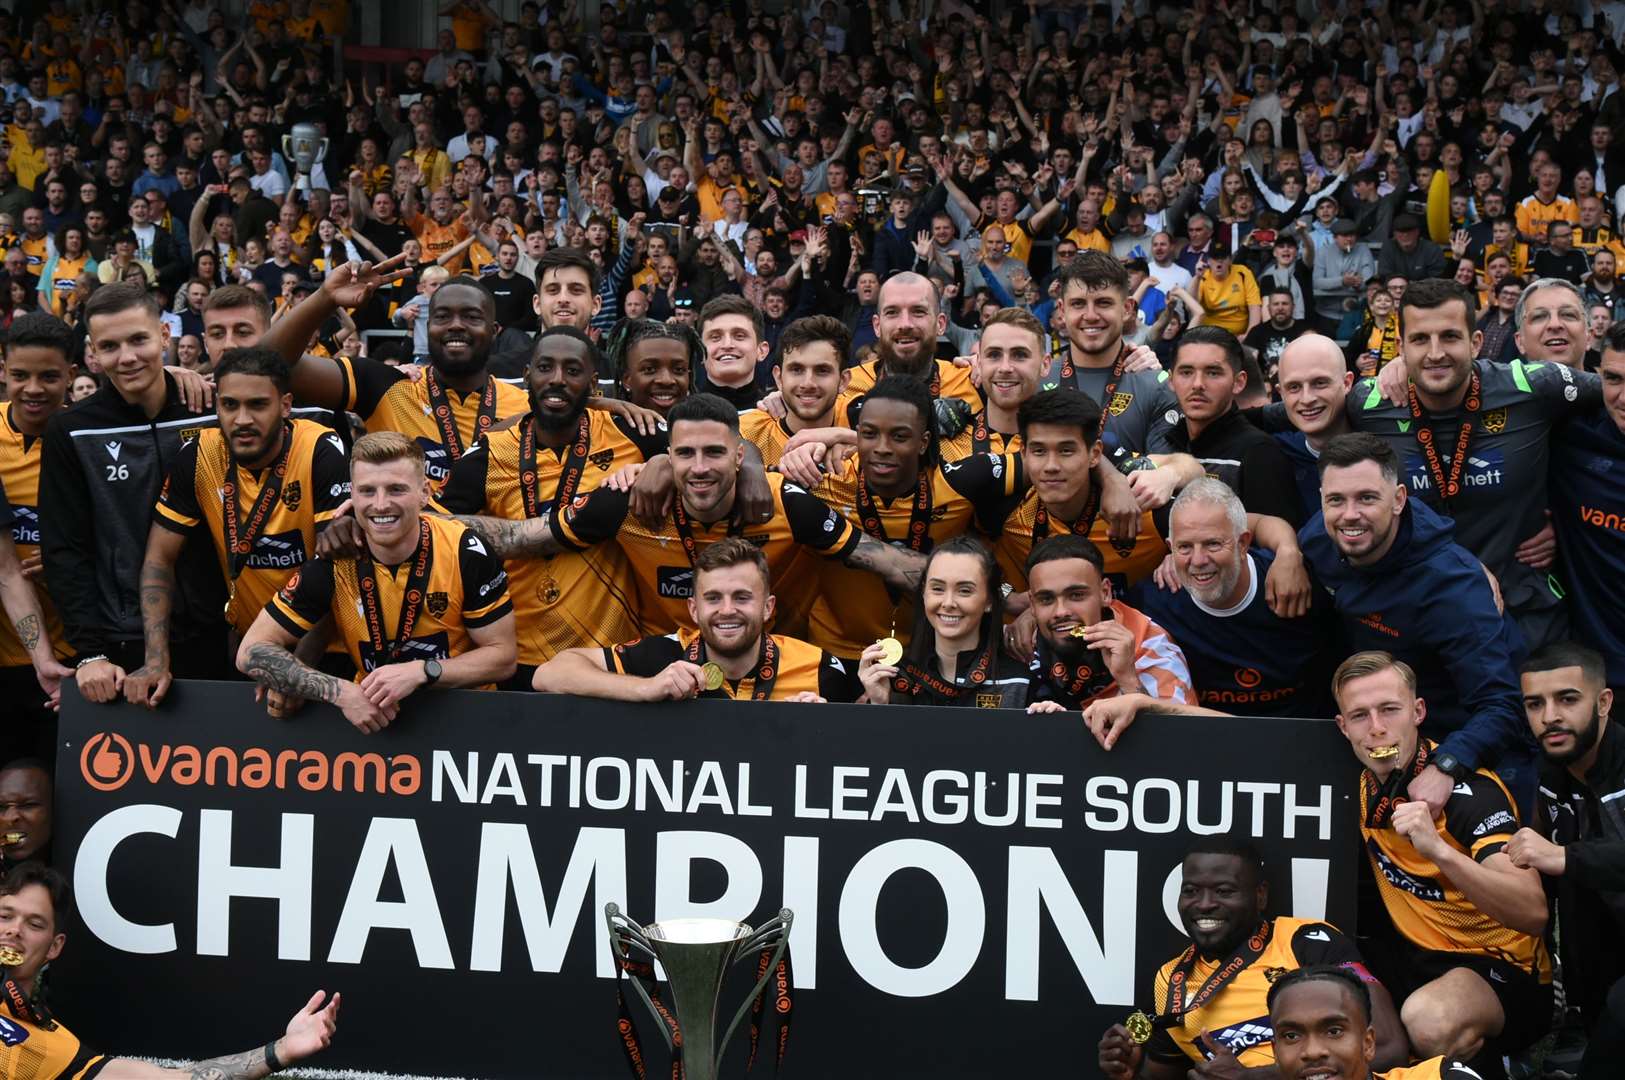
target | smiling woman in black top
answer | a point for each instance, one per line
(954, 656)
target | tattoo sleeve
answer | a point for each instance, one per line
(28, 631)
(900, 568)
(516, 539)
(157, 596)
(277, 668)
(248, 1065)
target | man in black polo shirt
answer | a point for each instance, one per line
(1207, 376)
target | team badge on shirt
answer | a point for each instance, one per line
(1495, 421)
(292, 494)
(1120, 403)
(437, 603)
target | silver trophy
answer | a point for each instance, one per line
(696, 955)
(306, 147)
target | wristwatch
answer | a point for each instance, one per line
(1447, 764)
(431, 672)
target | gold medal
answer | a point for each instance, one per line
(1079, 631)
(1138, 1026)
(9, 957)
(10, 838)
(891, 650)
(712, 675)
(1382, 753)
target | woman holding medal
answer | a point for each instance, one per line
(954, 656)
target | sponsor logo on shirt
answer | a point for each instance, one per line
(1592, 516)
(277, 551)
(437, 461)
(1484, 469)
(675, 582)
(1246, 1035)
(25, 525)
(1497, 820)
(431, 647)
(1421, 888)
(11, 1032)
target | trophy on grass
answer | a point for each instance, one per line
(696, 955)
(306, 147)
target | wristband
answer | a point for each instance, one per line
(89, 660)
(272, 1062)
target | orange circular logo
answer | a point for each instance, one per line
(107, 761)
(1247, 678)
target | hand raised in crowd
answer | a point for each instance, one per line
(351, 284)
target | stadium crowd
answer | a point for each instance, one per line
(1221, 357)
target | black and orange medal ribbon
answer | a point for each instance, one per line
(911, 679)
(919, 518)
(411, 599)
(1449, 486)
(240, 541)
(780, 988)
(1180, 1003)
(446, 419)
(685, 531)
(1378, 800)
(1081, 527)
(1074, 684)
(765, 675)
(569, 475)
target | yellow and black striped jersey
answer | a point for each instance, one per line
(463, 587)
(315, 481)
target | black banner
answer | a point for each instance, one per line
(976, 893)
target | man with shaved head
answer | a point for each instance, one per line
(1314, 379)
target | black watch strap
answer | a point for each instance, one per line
(432, 671)
(1447, 764)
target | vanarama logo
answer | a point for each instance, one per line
(108, 761)
(1601, 519)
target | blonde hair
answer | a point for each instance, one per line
(383, 447)
(434, 275)
(1362, 664)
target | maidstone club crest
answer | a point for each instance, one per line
(1495, 421)
(437, 603)
(1120, 403)
(603, 459)
(292, 495)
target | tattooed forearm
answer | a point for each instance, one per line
(248, 1065)
(28, 631)
(273, 666)
(515, 539)
(901, 568)
(157, 589)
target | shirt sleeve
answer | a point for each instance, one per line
(330, 475)
(305, 599)
(838, 679)
(365, 383)
(1322, 943)
(464, 492)
(1480, 816)
(643, 658)
(994, 484)
(648, 445)
(816, 524)
(591, 518)
(485, 582)
(1269, 484)
(178, 507)
(1564, 391)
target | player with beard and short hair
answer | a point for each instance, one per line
(731, 606)
(908, 320)
(1461, 944)
(1011, 360)
(446, 411)
(1243, 658)
(1577, 838)
(811, 376)
(560, 450)
(1211, 1002)
(1090, 644)
(1325, 1024)
(262, 485)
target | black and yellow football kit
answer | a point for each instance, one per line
(663, 558)
(947, 380)
(36, 1051)
(19, 475)
(1030, 521)
(854, 607)
(1433, 927)
(1234, 1011)
(263, 523)
(444, 423)
(785, 667)
(576, 598)
(765, 432)
(457, 583)
(978, 438)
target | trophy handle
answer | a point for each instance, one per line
(624, 936)
(774, 934)
(321, 150)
